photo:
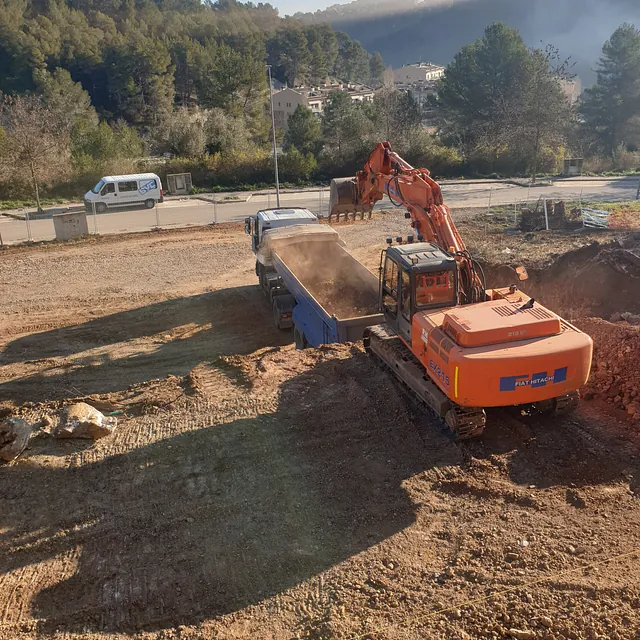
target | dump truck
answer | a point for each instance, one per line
(315, 286)
(458, 346)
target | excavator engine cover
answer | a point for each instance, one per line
(499, 322)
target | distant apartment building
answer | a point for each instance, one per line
(419, 80)
(572, 89)
(416, 73)
(287, 100)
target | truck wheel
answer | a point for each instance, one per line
(101, 207)
(299, 339)
(150, 203)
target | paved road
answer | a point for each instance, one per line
(179, 213)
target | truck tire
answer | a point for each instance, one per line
(101, 207)
(260, 269)
(149, 203)
(299, 338)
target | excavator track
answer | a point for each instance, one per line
(567, 404)
(388, 349)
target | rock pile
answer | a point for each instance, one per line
(615, 374)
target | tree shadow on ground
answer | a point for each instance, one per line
(112, 352)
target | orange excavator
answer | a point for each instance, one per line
(457, 345)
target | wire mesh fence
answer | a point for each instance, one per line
(200, 210)
(552, 214)
(526, 213)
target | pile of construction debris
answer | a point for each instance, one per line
(78, 420)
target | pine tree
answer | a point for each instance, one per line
(304, 131)
(318, 72)
(376, 70)
(611, 108)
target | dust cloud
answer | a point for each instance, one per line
(333, 277)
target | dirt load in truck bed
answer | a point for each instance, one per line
(333, 277)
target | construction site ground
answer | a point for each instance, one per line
(255, 491)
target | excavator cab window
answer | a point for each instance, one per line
(390, 288)
(434, 289)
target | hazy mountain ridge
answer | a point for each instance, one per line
(412, 30)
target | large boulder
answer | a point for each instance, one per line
(81, 420)
(14, 437)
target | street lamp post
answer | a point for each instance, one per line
(273, 128)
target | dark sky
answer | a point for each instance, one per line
(408, 31)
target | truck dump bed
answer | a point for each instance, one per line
(337, 297)
(338, 282)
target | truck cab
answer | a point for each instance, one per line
(266, 219)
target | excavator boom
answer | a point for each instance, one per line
(386, 173)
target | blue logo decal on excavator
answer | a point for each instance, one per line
(511, 383)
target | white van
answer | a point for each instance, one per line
(125, 191)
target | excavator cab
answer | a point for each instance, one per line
(415, 277)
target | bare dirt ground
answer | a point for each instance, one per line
(253, 491)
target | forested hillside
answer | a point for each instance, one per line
(88, 90)
(89, 87)
(139, 58)
(408, 31)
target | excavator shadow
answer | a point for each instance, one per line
(545, 451)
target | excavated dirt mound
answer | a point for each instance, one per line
(595, 280)
(615, 374)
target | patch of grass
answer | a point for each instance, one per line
(632, 205)
(6, 205)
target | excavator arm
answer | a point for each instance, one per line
(385, 172)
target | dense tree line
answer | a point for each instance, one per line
(136, 60)
(187, 77)
(505, 107)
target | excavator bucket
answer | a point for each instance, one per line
(343, 200)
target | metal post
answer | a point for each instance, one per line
(489, 207)
(26, 218)
(275, 150)
(215, 211)
(320, 202)
(546, 215)
(157, 217)
(95, 219)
